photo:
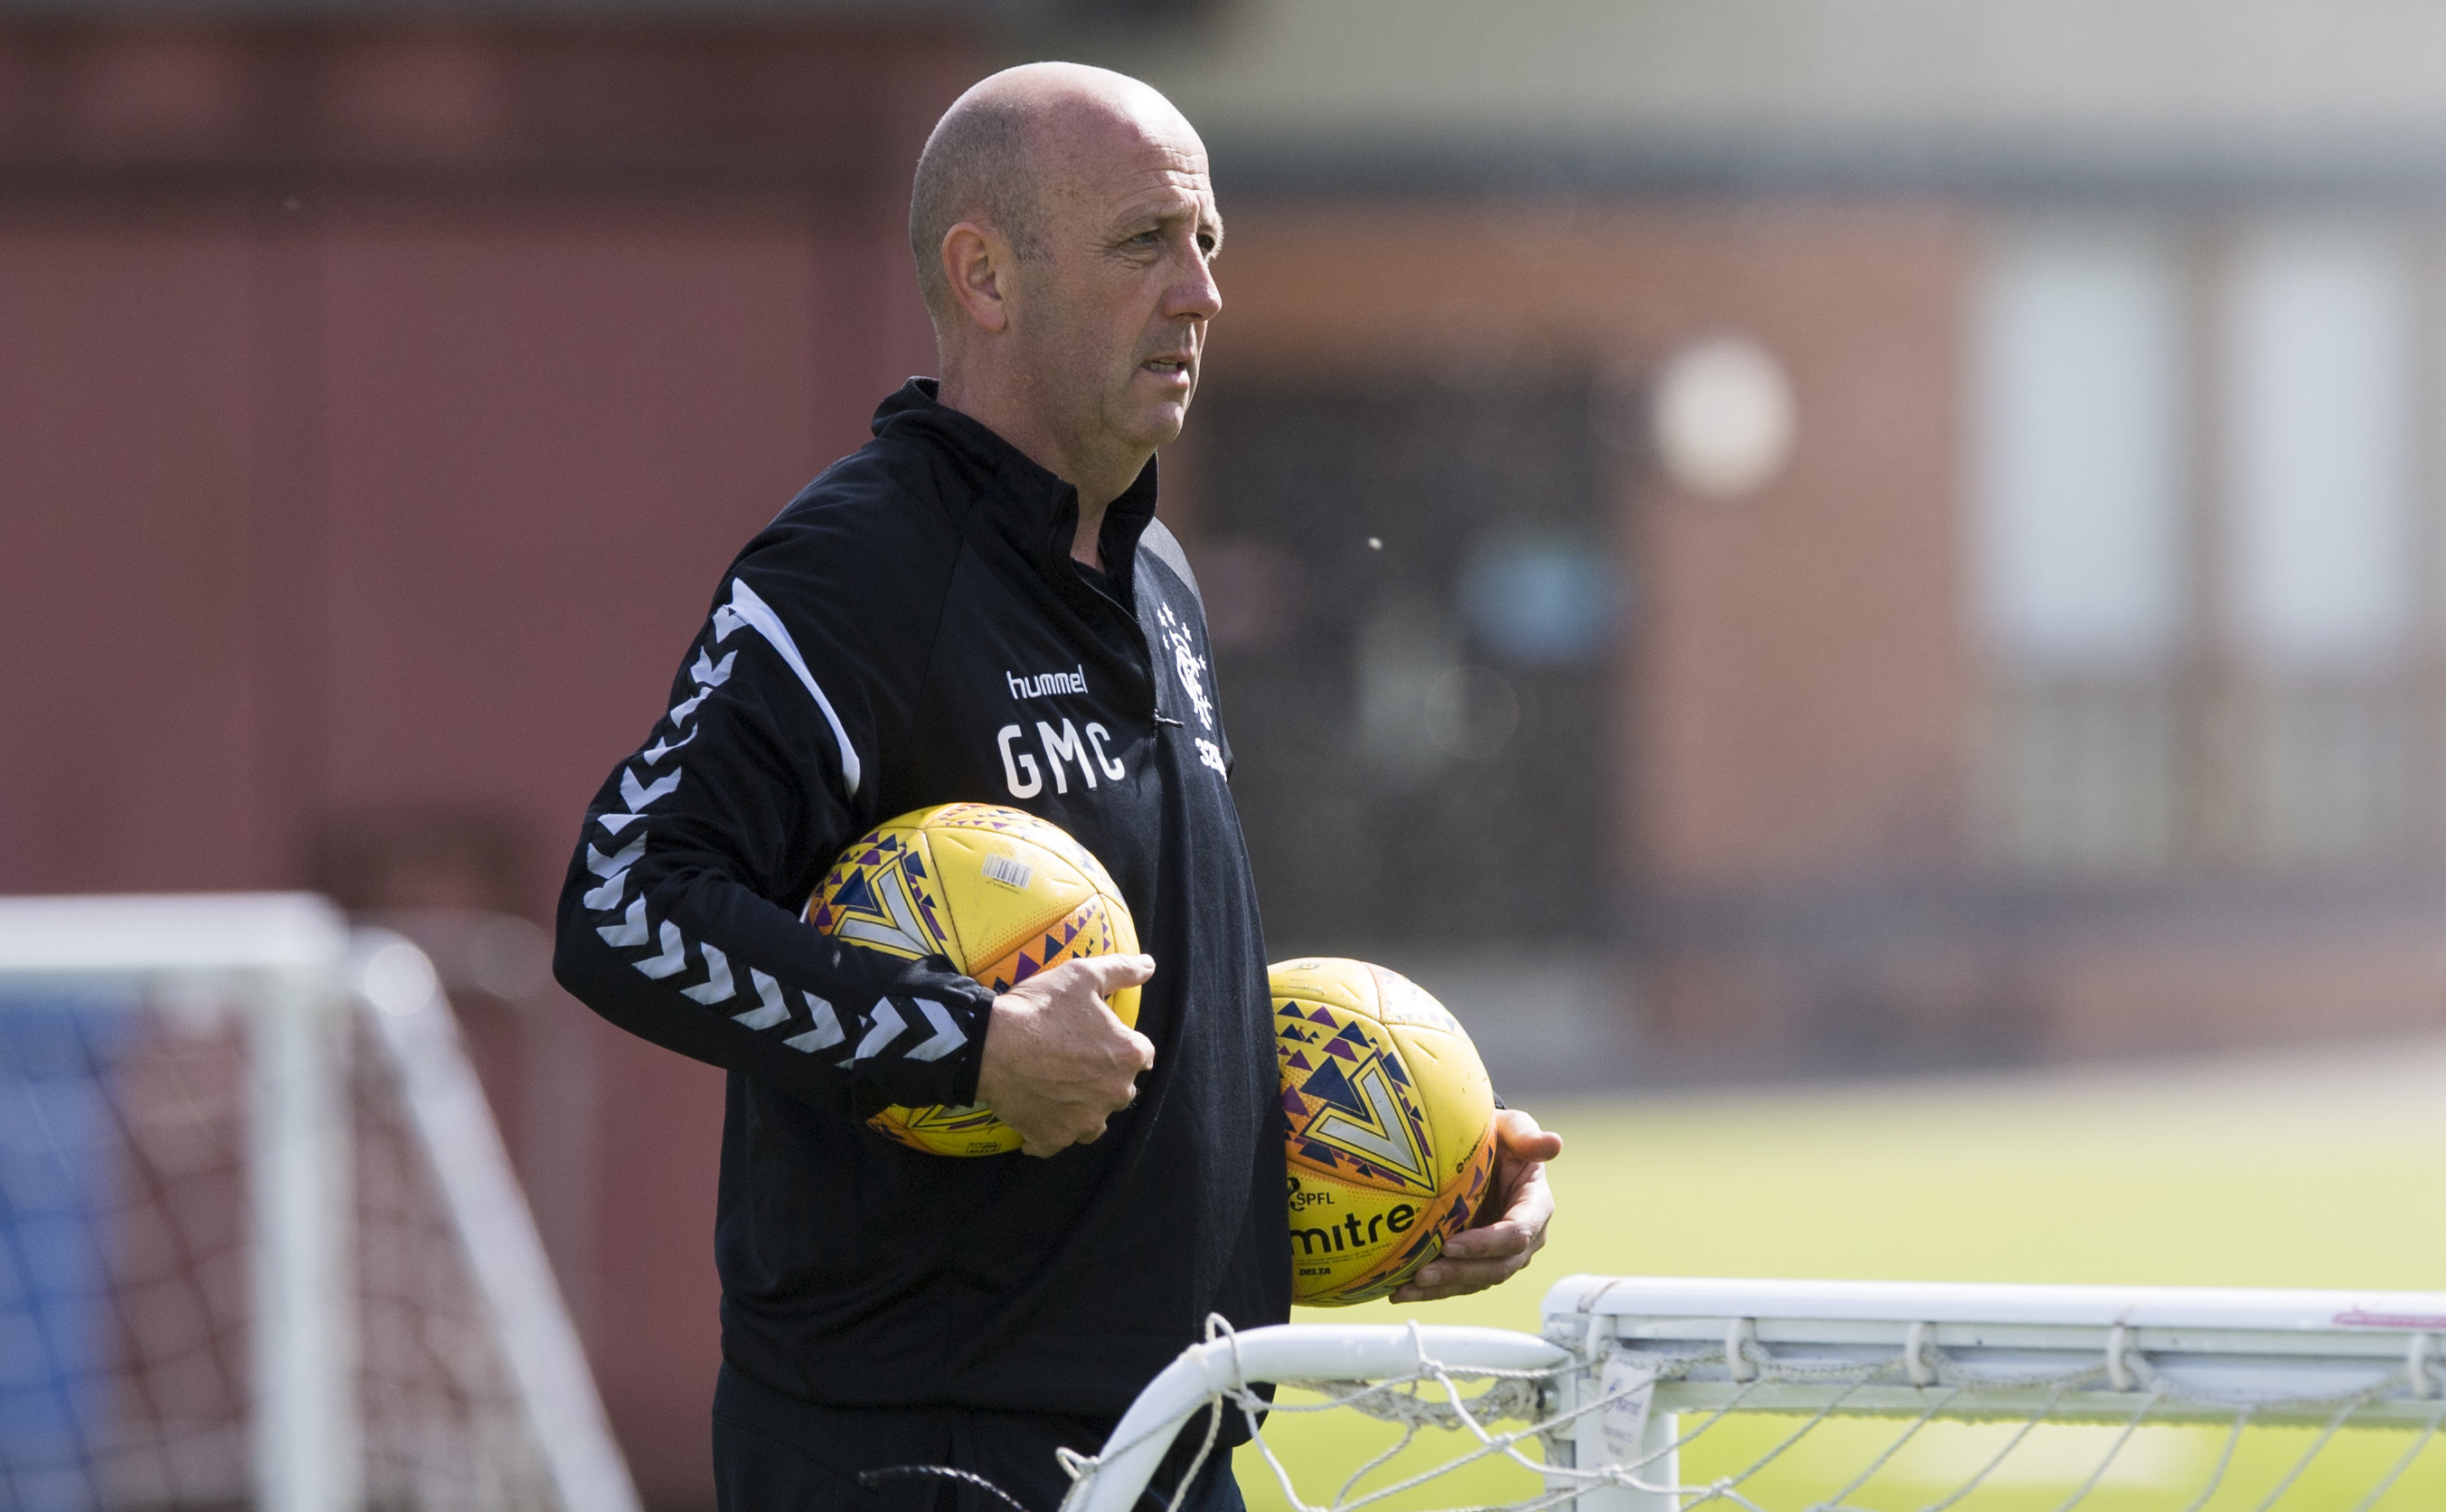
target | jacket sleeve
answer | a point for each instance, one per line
(681, 917)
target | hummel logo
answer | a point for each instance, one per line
(1046, 685)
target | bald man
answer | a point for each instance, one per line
(979, 605)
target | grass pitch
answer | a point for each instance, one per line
(2323, 1169)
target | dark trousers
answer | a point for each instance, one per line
(775, 1453)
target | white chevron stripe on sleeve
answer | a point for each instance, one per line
(602, 866)
(716, 985)
(708, 674)
(679, 711)
(606, 899)
(770, 992)
(775, 1011)
(760, 615)
(827, 1031)
(616, 822)
(726, 623)
(948, 1035)
(886, 1027)
(629, 931)
(663, 748)
(674, 956)
(637, 795)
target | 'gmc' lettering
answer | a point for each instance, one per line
(1096, 735)
(1013, 760)
(1062, 748)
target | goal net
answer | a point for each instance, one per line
(259, 1243)
(1647, 1394)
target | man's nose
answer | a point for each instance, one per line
(1194, 293)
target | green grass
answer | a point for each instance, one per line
(2334, 1178)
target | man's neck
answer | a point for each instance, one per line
(1097, 481)
(1089, 545)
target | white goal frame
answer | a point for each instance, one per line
(290, 964)
(2187, 1354)
(1668, 1347)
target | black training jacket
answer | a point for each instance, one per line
(912, 630)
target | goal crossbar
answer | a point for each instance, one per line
(137, 937)
(1667, 1358)
(2092, 1351)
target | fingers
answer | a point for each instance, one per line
(1058, 1064)
(1110, 974)
(1519, 1136)
(1107, 975)
(1051, 1130)
(1072, 986)
(1519, 1232)
(1450, 1278)
(1475, 1259)
(1497, 1240)
(1492, 1253)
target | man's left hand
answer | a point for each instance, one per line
(1477, 1258)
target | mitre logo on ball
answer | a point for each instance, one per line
(1391, 1126)
(1003, 895)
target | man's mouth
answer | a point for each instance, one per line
(1167, 366)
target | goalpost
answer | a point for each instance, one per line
(1654, 1395)
(260, 1244)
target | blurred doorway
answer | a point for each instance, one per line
(1415, 596)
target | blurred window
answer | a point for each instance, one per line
(2079, 486)
(2187, 675)
(2324, 729)
(2320, 371)
(1415, 618)
(2078, 540)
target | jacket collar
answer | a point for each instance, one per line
(1038, 508)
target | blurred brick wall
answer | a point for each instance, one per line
(1797, 684)
(379, 410)
(1798, 690)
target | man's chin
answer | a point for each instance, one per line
(1158, 426)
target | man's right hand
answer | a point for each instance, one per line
(1057, 1062)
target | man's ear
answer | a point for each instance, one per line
(976, 264)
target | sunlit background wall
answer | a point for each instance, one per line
(1748, 540)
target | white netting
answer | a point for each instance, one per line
(1615, 1426)
(133, 1286)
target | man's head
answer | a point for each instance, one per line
(1062, 224)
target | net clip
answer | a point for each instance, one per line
(2118, 1359)
(2418, 1352)
(1739, 1335)
(1916, 1356)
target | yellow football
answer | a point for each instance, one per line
(1004, 894)
(1392, 1126)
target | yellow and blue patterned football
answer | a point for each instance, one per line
(1392, 1126)
(1004, 894)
